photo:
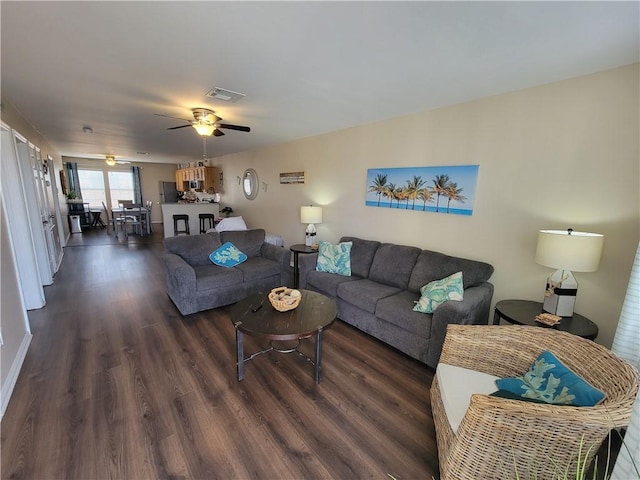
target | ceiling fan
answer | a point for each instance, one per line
(206, 122)
(111, 161)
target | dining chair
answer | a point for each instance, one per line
(111, 222)
(134, 217)
(148, 205)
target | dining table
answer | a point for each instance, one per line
(125, 212)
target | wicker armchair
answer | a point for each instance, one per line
(499, 437)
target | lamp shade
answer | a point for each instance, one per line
(569, 250)
(310, 214)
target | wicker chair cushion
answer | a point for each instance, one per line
(549, 380)
(457, 384)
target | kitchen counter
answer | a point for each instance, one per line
(191, 209)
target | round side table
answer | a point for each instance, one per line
(297, 249)
(523, 312)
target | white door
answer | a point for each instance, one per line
(18, 220)
(33, 199)
(47, 215)
(55, 217)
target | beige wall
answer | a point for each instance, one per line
(555, 156)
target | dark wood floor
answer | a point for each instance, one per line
(117, 384)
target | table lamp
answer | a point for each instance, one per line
(310, 215)
(566, 250)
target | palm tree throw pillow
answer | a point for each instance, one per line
(227, 255)
(550, 381)
(334, 258)
(435, 293)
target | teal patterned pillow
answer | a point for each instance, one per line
(334, 258)
(435, 293)
(550, 381)
(227, 255)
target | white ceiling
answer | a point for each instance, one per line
(306, 67)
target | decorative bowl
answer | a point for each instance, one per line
(284, 299)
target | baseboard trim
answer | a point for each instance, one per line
(12, 377)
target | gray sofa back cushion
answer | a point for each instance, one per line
(362, 252)
(392, 264)
(194, 249)
(435, 266)
(248, 242)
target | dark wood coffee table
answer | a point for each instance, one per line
(256, 316)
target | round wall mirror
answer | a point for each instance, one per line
(250, 183)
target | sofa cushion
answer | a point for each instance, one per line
(327, 283)
(398, 310)
(194, 249)
(365, 293)
(457, 384)
(334, 258)
(256, 268)
(435, 293)
(432, 266)
(392, 265)
(248, 241)
(210, 277)
(227, 255)
(362, 253)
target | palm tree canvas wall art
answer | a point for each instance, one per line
(449, 189)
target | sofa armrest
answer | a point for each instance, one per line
(306, 264)
(279, 255)
(181, 277)
(472, 310)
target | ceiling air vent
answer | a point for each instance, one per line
(225, 95)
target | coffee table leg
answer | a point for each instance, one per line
(239, 355)
(318, 354)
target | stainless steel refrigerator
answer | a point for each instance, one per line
(168, 192)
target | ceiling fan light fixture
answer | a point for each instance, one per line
(204, 129)
(111, 160)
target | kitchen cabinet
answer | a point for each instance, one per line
(204, 178)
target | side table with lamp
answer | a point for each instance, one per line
(565, 250)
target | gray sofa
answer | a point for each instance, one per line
(194, 283)
(379, 296)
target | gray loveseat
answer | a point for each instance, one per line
(379, 296)
(194, 283)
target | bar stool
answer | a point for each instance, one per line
(203, 218)
(176, 219)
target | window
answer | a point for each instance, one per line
(92, 187)
(97, 185)
(120, 186)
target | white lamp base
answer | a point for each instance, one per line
(560, 296)
(310, 239)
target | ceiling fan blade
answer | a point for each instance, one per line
(240, 128)
(217, 133)
(169, 116)
(180, 126)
